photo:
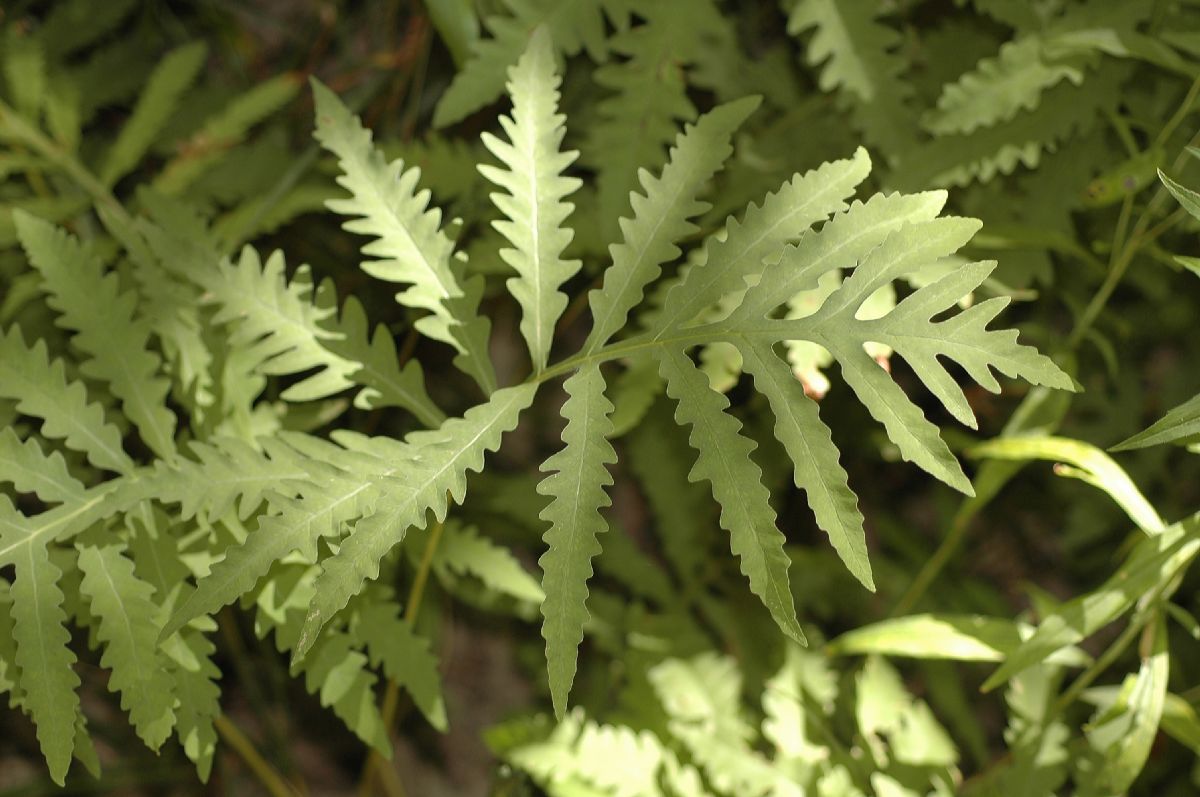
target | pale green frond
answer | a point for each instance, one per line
(159, 99)
(576, 486)
(464, 551)
(44, 658)
(122, 604)
(339, 676)
(724, 461)
(782, 217)
(574, 25)
(31, 470)
(278, 323)
(407, 243)
(404, 656)
(661, 217)
(536, 188)
(385, 383)
(433, 477)
(816, 468)
(19, 533)
(91, 303)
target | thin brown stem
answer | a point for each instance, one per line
(266, 774)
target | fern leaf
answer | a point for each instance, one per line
(577, 491)
(661, 217)
(41, 390)
(92, 304)
(167, 83)
(44, 659)
(816, 468)
(856, 54)
(536, 189)
(573, 25)
(724, 461)
(1180, 423)
(277, 323)
(30, 470)
(229, 126)
(463, 551)
(385, 383)
(405, 657)
(386, 204)
(435, 476)
(763, 231)
(194, 679)
(998, 88)
(122, 603)
(338, 674)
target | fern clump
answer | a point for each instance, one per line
(170, 429)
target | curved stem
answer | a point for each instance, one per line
(267, 775)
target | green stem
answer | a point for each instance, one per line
(267, 775)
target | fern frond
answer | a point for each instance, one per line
(464, 551)
(434, 476)
(816, 468)
(30, 470)
(661, 217)
(536, 192)
(573, 24)
(384, 382)
(194, 677)
(404, 656)
(92, 304)
(41, 390)
(229, 126)
(122, 604)
(998, 88)
(724, 461)
(159, 99)
(387, 205)
(764, 230)
(277, 322)
(576, 486)
(856, 54)
(44, 659)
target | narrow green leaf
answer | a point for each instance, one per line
(44, 657)
(1180, 423)
(724, 461)
(536, 189)
(122, 603)
(577, 491)
(661, 217)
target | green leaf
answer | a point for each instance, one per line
(433, 476)
(122, 603)
(816, 468)
(577, 491)
(30, 470)
(194, 679)
(573, 25)
(536, 189)
(958, 637)
(1179, 424)
(724, 461)
(463, 550)
(408, 243)
(158, 101)
(1090, 464)
(405, 657)
(44, 658)
(660, 217)
(1153, 563)
(92, 304)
